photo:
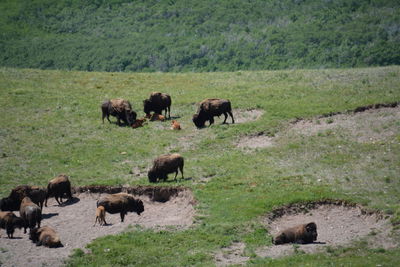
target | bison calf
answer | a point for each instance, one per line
(165, 164)
(45, 236)
(138, 123)
(175, 125)
(301, 234)
(209, 108)
(58, 187)
(30, 213)
(157, 117)
(100, 216)
(121, 203)
(9, 221)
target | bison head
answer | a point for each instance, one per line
(8, 204)
(147, 107)
(311, 229)
(152, 175)
(198, 120)
(280, 239)
(139, 206)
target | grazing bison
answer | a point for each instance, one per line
(209, 108)
(121, 203)
(119, 108)
(301, 234)
(100, 216)
(45, 236)
(30, 213)
(9, 221)
(13, 201)
(165, 164)
(57, 187)
(157, 103)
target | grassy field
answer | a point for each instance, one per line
(51, 124)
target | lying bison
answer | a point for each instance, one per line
(45, 236)
(209, 108)
(165, 164)
(119, 108)
(9, 221)
(30, 213)
(157, 103)
(301, 234)
(58, 187)
(13, 201)
(121, 203)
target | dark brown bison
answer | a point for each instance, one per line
(58, 187)
(13, 201)
(301, 234)
(9, 221)
(157, 103)
(209, 108)
(119, 108)
(165, 164)
(45, 236)
(100, 216)
(30, 213)
(121, 203)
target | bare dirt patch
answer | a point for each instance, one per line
(164, 207)
(364, 124)
(246, 115)
(232, 255)
(338, 224)
(255, 141)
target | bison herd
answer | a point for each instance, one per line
(29, 200)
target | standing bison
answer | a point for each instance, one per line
(301, 234)
(121, 203)
(9, 221)
(211, 107)
(58, 187)
(165, 164)
(30, 213)
(13, 201)
(157, 103)
(119, 108)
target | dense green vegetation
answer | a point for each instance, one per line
(176, 35)
(51, 124)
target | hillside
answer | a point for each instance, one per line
(297, 140)
(175, 35)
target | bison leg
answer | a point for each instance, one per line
(230, 114)
(176, 174)
(56, 197)
(122, 216)
(226, 116)
(211, 120)
(181, 169)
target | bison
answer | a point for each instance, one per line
(175, 125)
(100, 216)
(9, 221)
(138, 123)
(121, 203)
(30, 213)
(209, 108)
(301, 234)
(57, 187)
(157, 117)
(165, 164)
(45, 236)
(119, 108)
(13, 201)
(157, 103)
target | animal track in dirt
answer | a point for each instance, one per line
(164, 207)
(339, 223)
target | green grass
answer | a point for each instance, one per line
(51, 124)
